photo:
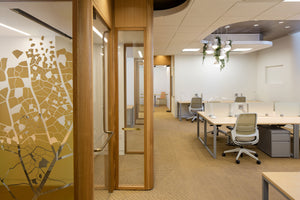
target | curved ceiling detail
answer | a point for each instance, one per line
(169, 7)
(167, 4)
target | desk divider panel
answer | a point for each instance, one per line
(263, 109)
(287, 109)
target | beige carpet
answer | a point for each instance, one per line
(183, 169)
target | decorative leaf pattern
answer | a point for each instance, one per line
(36, 115)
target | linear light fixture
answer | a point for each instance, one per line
(140, 54)
(40, 22)
(291, 0)
(14, 29)
(97, 32)
(191, 50)
(242, 49)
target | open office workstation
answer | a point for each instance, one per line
(268, 79)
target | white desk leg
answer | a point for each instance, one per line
(265, 188)
(296, 140)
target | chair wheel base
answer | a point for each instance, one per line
(256, 155)
(237, 161)
(258, 162)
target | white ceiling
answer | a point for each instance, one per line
(172, 33)
(188, 27)
(56, 14)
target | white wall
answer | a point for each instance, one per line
(192, 76)
(285, 52)
(161, 81)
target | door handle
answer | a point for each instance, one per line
(131, 129)
(99, 149)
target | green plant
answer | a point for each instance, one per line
(205, 46)
(217, 52)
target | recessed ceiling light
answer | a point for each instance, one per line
(192, 50)
(280, 22)
(242, 49)
(287, 27)
(227, 27)
(256, 25)
(291, 0)
(14, 29)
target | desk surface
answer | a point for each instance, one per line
(260, 120)
(287, 182)
(225, 101)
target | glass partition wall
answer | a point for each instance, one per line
(131, 109)
(36, 100)
(100, 108)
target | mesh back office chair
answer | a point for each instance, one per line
(245, 132)
(240, 99)
(195, 106)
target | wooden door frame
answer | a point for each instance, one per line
(148, 100)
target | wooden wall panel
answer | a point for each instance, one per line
(104, 7)
(162, 60)
(83, 101)
(130, 13)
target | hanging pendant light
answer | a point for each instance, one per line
(215, 44)
(209, 49)
(222, 54)
(227, 46)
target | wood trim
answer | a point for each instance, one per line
(148, 98)
(104, 8)
(115, 138)
(131, 188)
(83, 103)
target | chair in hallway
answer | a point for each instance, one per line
(162, 100)
(244, 132)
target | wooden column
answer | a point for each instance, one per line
(83, 100)
(149, 96)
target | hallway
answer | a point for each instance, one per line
(183, 169)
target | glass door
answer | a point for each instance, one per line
(100, 99)
(131, 109)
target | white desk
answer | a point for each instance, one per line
(295, 121)
(179, 106)
(287, 183)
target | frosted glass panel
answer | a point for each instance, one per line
(290, 109)
(36, 104)
(261, 108)
(218, 109)
(238, 108)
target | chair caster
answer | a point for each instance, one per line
(256, 155)
(237, 161)
(223, 154)
(258, 162)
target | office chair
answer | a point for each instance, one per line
(240, 99)
(195, 106)
(244, 132)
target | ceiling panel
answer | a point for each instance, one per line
(248, 9)
(280, 12)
